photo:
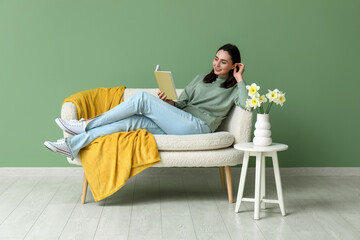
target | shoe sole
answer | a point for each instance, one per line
(60, 123)
(57, 150)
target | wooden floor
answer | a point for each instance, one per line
(181, 204)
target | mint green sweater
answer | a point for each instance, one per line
(210, 102)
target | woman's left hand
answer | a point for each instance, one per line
(238, 71)
(163, 97)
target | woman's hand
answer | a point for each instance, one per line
(238, 73)
(163, 97)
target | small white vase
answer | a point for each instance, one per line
(262, 131)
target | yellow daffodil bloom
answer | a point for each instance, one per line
(272, 95)
(255, 103)
(253, 90)
(248, 105)
(282, 99)
(262, 99)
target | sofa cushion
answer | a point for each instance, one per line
(194, 142)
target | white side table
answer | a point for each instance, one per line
(260, 152)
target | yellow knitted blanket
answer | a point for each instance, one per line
(109, 161)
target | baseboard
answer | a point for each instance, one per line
(78, 171)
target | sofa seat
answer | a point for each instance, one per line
(219, 157)
(196, 142)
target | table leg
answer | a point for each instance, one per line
(244, 168)
(257, 185)
(262, 185)
(278, 183)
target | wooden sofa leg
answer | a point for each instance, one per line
(222, 177)
(229, 183)
(84, 190)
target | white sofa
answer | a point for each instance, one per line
(203, 150)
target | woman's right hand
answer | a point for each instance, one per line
(163, 97)
(239, 71)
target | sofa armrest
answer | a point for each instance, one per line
(69, 112)
(239, 123)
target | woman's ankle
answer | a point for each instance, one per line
(88, 121)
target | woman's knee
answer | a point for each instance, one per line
(141, 95)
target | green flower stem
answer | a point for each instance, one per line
(261, 109)
(268, 108)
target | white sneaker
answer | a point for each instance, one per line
(59, 147)
(73, 127)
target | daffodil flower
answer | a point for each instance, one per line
(253, 90)
(262, 99)
(282, 99)
(272, 95)
(255, 103)
(248, 105)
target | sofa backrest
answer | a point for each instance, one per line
(238, 122)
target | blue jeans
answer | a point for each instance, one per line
(141, 111)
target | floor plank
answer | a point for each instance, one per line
(114, 221)
(13, 196)
(145, 222)
(207, 220)
(175, 212)
(303, 224)
(24, 216)
(318, 200)
(353, 219)
(6, 182)
(55, 216)
(83, 222)
(240, 226)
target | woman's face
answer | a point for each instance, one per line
(222, 63)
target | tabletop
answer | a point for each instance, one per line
(250, 147)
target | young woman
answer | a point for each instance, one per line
(201, 107)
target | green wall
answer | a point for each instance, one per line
(309, 49)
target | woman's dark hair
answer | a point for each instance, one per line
(235, 57)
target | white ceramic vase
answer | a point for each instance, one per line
(262, 131)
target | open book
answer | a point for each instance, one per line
(165, 82)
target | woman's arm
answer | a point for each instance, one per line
(183, 99)
(240, 100)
